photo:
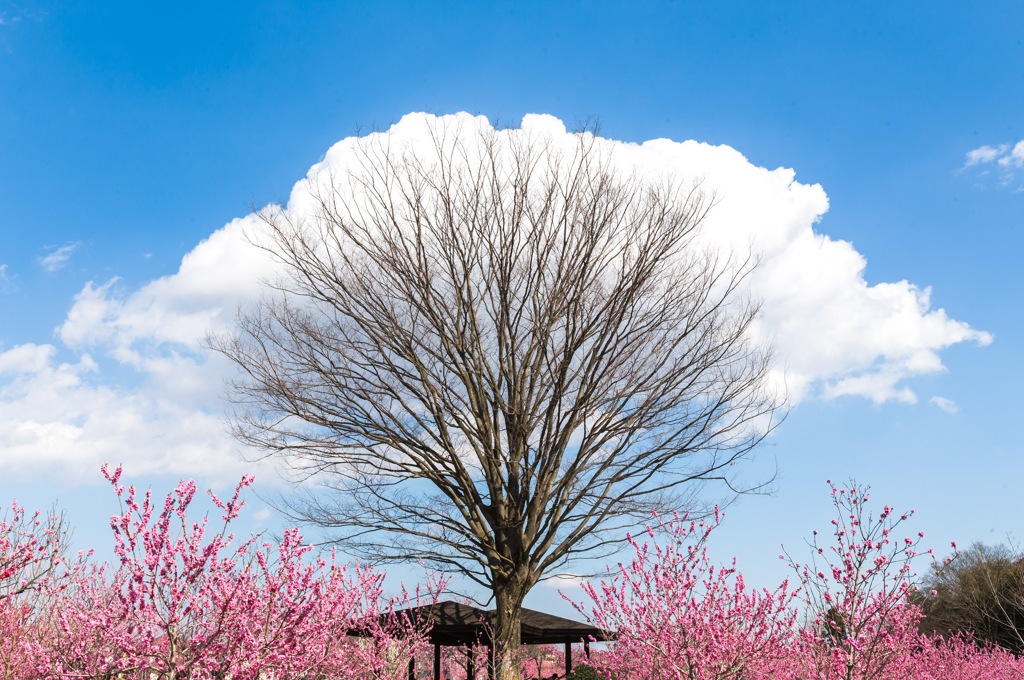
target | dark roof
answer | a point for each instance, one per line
(452, 623)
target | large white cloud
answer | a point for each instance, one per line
(67, 418)
(143, 388)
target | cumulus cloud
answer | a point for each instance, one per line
(58, 257)
(142, 390)
(68, 418)
(141, 384)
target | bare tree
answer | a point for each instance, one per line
(499, 353)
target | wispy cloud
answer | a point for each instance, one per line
(1004, 159)
(14, 15)
(5, 279)
(58, 257)
(985, 154)
(947, 405)
(564, 582)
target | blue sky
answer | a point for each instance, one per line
(130, 133)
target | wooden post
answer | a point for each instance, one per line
(490, 661)
(568, 658)
(412, 669)
(586, 648)
(437, 661)
(470, 661)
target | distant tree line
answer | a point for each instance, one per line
(981, 593)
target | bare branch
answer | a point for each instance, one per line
(498, 354)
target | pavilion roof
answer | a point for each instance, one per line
(454, 623)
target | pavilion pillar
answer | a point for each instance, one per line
(490, 661)
(412, 669)
(568, 658)
(586, 648)
(470, 669)
(437, 661)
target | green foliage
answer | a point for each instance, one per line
(585, 672)
(981, 593)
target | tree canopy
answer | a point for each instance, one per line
(981, 592)
(498, 352)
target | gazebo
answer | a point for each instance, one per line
(460, 625)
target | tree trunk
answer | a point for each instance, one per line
(507, 634)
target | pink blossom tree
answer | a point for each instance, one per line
(188, 602)
(856, 586)
(960, 658)
(15, 640)
(678, 615)
(33, 566)
(32, 549)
